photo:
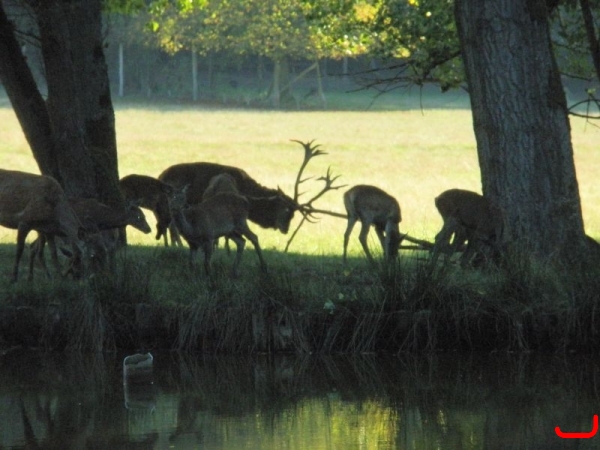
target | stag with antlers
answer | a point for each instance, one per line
(269, 208)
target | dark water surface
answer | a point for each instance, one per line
(451, 401)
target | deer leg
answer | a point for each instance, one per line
(240, 243)
(465, 258)
(174, 232)
(162, 230)
(351, 222)
(34, 251)
(22, 233)
(160, 227)
(192, 259)
(53, 254)
(37, 250)
(362, 237)
(254, 239)
(442, 239)
(393, 239)
(383, 240)
(477, 246)
(208, 249)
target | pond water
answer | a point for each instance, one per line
(188, 401)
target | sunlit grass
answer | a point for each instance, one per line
(413, 154)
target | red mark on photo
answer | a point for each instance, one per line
(576, 435)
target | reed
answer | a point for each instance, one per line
(309, 304)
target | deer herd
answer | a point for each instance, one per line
(202, 202)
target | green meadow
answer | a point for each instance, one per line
(412, 153)
(413, 146)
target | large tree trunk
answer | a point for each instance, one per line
(77, 120)
(521, 124)
(27, 102)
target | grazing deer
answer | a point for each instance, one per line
(372, 206)
(471, 218)
(36, 202)
(97, 218)
(149, 193)
(276, 211)
(200, 225)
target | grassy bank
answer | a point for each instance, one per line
(308, 302)
(304, 304)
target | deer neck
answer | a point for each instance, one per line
(181, 221)
(116, 220)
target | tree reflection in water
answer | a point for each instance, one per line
(68, 401)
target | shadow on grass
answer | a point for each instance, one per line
(304, 304)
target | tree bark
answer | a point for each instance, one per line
(72, 133)
(521, 125)
(27, 102)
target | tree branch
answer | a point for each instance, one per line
(588, 20)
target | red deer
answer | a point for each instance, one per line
(36, 202)
(149, 193)
(372, 206)
(276, 211)
(270, 208)
(224, 214)
(96, 217)
(219, 184)
(471, 218)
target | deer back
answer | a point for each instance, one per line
(38, 201)
(221, 183)
(144, 190)
(217, 216)
(276, 209)
(471, 210)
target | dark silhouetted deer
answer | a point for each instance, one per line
(149, 193)
(98, 219)
(373, 206)
(37, 202)
(468, 217)
(276, 211)
(201, 224)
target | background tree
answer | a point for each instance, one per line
(521, 124)
(277, 30)
(72, 130)
(520, 115)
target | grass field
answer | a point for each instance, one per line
(412, 153)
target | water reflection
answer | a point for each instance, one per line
(66, 401)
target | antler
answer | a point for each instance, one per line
(306, 208)
(309, 153)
